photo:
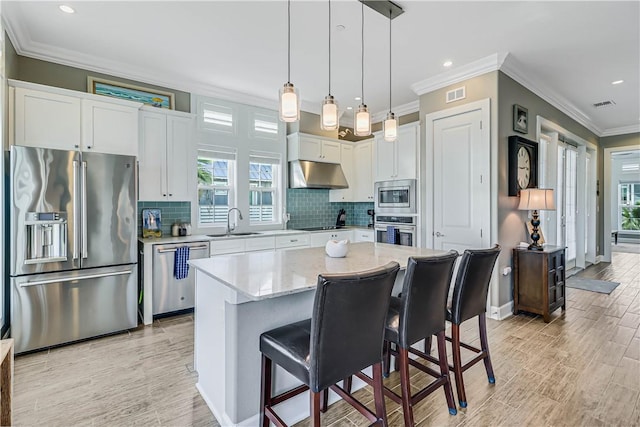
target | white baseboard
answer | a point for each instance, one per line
(598, 259)
(502, 312)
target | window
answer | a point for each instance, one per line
(218, 118)
(629, 206)
(263, 189)
(215, 186)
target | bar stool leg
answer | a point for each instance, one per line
(315, 407)
(457, 364)
(427, 344)
(265, 389)
(407, 407)
(444, 370)
(346, 383)
(324, 401)
(378, 394)
(485, 348)
(387, 359)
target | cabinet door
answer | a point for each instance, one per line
(330, 152)
(180, 158)
(309, 148)
(152, 157)
(109, 128)
(386, 160)
(406, 153)
(346, 162)
(363, 162)
(317, 240)
(46, 120)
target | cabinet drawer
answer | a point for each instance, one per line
(364, 236)
(231, 246)
(259, 243)
(292, 241)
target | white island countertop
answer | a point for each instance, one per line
(269, 274)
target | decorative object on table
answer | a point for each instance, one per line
(536, 199)
(523, 164)
(520, 119)
(530, 232)
(153, 97)
(337, 248)
(592, 285)
(341, 220)
(151, 223)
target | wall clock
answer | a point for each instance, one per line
(523, 164)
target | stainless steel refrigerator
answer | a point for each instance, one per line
(73, 245)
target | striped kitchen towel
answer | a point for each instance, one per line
(391, 234)
(181, 267)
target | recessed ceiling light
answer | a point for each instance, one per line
(447, 64)
(357, 98)
(617, 82)
(349, 108)
(66, 9)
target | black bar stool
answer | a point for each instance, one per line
(470, 300)
(343, 336)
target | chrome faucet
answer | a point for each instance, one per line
(229, 229)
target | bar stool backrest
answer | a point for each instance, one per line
(472, 283)
(424, 297)
(347, 325)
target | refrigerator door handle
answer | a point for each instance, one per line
(85, 252)
(73, 278)
(75, 209)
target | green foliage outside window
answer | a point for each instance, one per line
(631, 217)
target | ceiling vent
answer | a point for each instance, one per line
(456, 94)
(604, 104)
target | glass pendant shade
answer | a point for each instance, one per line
(289, 103)
(390, 126)
(329, 119)
(362, 125)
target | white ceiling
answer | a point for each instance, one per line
(567, 52)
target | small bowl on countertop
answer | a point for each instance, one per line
(337, 248)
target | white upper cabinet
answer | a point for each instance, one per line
(363, 161)
(166, 155)
(310, 147)
(49, 117)
(109, 128)
(46, 120)
(398, 159)
(347, 164)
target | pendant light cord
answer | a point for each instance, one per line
(362, 54)
(288, 41)
(390, 61)
(329, 47)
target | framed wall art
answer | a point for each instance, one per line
(155, 98)
(523, 164)
(520, 119)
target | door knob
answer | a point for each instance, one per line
(438, 234)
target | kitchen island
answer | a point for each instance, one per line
(240, 296)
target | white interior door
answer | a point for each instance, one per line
(461, 199)
(567, 206)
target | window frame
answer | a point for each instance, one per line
(217, 155)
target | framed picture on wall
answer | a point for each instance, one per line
(520, 119)
(155, 98)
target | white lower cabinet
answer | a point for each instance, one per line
(166, 155)
(260, 243)
(292, 241)
(364, 235)
(239, 245)
(321, 239)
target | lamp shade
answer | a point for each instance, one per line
(329, 114)
(540, 199)
(362, 125)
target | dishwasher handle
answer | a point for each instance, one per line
(192, 248)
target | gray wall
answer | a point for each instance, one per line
(51, 74)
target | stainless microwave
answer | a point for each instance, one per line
(396, 196)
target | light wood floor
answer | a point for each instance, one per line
(582, 369)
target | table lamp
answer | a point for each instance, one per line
(536, 199)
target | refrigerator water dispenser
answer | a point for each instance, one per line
(46, 237)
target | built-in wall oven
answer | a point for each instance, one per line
(397, 230)
(396, 197)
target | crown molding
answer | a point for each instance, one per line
(473, 69)
(512, 68)
(623, 130)
(400, 110)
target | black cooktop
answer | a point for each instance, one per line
(326, 227)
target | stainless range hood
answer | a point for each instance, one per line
(307, 174)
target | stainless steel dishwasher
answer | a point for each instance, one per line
(169, 293)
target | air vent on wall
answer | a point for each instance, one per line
(604, 104)
(456, 94)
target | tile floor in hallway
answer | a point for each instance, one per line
(581, 369)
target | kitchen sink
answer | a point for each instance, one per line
(233, 234)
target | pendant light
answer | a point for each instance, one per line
(329, 114)
(289, 98)
(362, 122)
(390, 124)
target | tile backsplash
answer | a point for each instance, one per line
(312, 208)
(170, 212)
